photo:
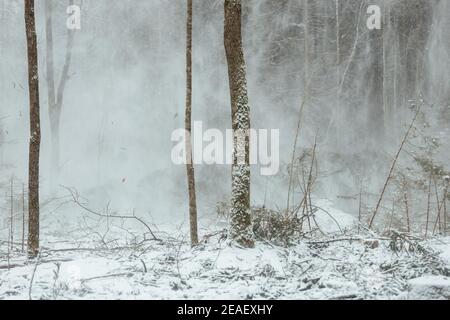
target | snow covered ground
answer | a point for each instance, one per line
(341, 265)
(169, 269)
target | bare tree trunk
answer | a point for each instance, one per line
(306, 43)
(395, 105)
(445, 209)
(391, 171)
(375, 88)
(188, 126)
(428, 204)
(360, 207)
(385, 32)
(307, 79)
(50, 77)
(12, 212)
(56, 96)
(405, 200)
(338, 46)
(23, 216)
(437, 224)
(241, 223)
(35, 131)
(339, 110)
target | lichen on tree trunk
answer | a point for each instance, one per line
(241, 224)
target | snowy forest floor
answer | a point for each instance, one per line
(331, 267)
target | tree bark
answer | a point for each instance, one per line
(188, 127)
(241, 223)
(35, 130)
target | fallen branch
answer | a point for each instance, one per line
(125, 274)
(76, 199)
(334, 240)
(17, 265)
(10, 266)
(347, 239)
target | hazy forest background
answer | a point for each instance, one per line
(314, 70)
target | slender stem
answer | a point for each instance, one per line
(428, 204)
(12, 213)
(188, 124)
(23, 216)
(391, 171)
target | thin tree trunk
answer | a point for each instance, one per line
(360, 207)
(391, 171)
(23, 217)
(306, 42)
(437, 224)
(307, 81)
(374, 83)
(338, 46)
(291, 187)
(35, 131)
(12, 212)
(188, 126)
(336, 117)
(428, 204)
(338, 109)
(445, 210)
(338, 51)
(241, 223)
(50, 76)
(353, 52)
(385, 31)
(394, 106)
(51, 91)
(56, 95)
(405, 200)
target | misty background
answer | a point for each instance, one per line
(126, 95)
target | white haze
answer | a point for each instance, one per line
(126, 95)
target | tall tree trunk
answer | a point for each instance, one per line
(387, 107)
(374, 78)
(188, 126)
(338, 109)
(393, 116)
(56, 96)
(50, 77)
(35, 130)
(241, 223)
(306, 45)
